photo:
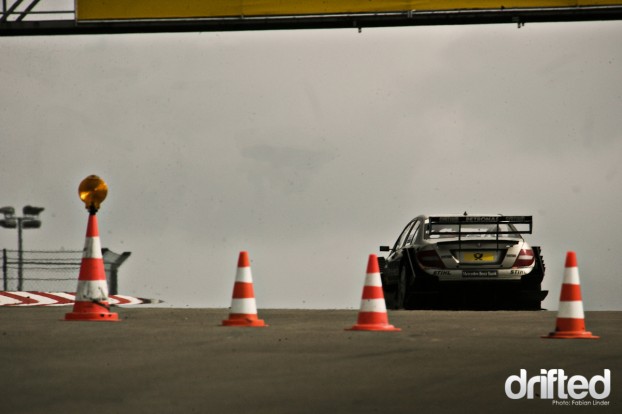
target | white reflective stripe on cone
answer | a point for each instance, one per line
(246, 306)
(89, 290)
(373, 279)
(373, 305)
(571, 276)
(92, 248)
(244, 274)
(570, 309)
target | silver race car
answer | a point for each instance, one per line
(463, 262)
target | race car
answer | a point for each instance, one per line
(463, 262)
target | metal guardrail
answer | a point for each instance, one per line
(53, 270)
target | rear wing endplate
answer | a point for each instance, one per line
(522, 224)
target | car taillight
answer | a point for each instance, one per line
(429, 258)
(525, 258)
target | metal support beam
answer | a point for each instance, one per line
(32, 27)
(28, 10)
(7, 13)
(15, 14)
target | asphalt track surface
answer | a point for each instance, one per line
(162, 360)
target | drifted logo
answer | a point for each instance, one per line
(555, 385)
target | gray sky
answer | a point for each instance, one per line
(309, 149)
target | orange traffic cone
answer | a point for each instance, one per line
(373, 313)
(570, 319)
(91, 302)
(243, 306)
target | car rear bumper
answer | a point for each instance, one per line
(475, 274)
(481, 295)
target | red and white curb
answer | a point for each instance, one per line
(62, 299)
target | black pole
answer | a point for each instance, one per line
(4, 269)
(113, 279)
(20, 256)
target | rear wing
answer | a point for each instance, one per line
(438, 225)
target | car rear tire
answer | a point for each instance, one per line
(394, 295)
(531, 284)
(389, 290)
(402, 289)
(390, 296)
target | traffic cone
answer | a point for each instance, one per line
(243, 306)
(91, 302)
(373, 313)
(570, 319)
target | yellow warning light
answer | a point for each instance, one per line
(93, 191)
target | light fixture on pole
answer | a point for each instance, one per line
(30, 220)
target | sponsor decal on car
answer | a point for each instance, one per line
(478, 257)
(479, 273)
